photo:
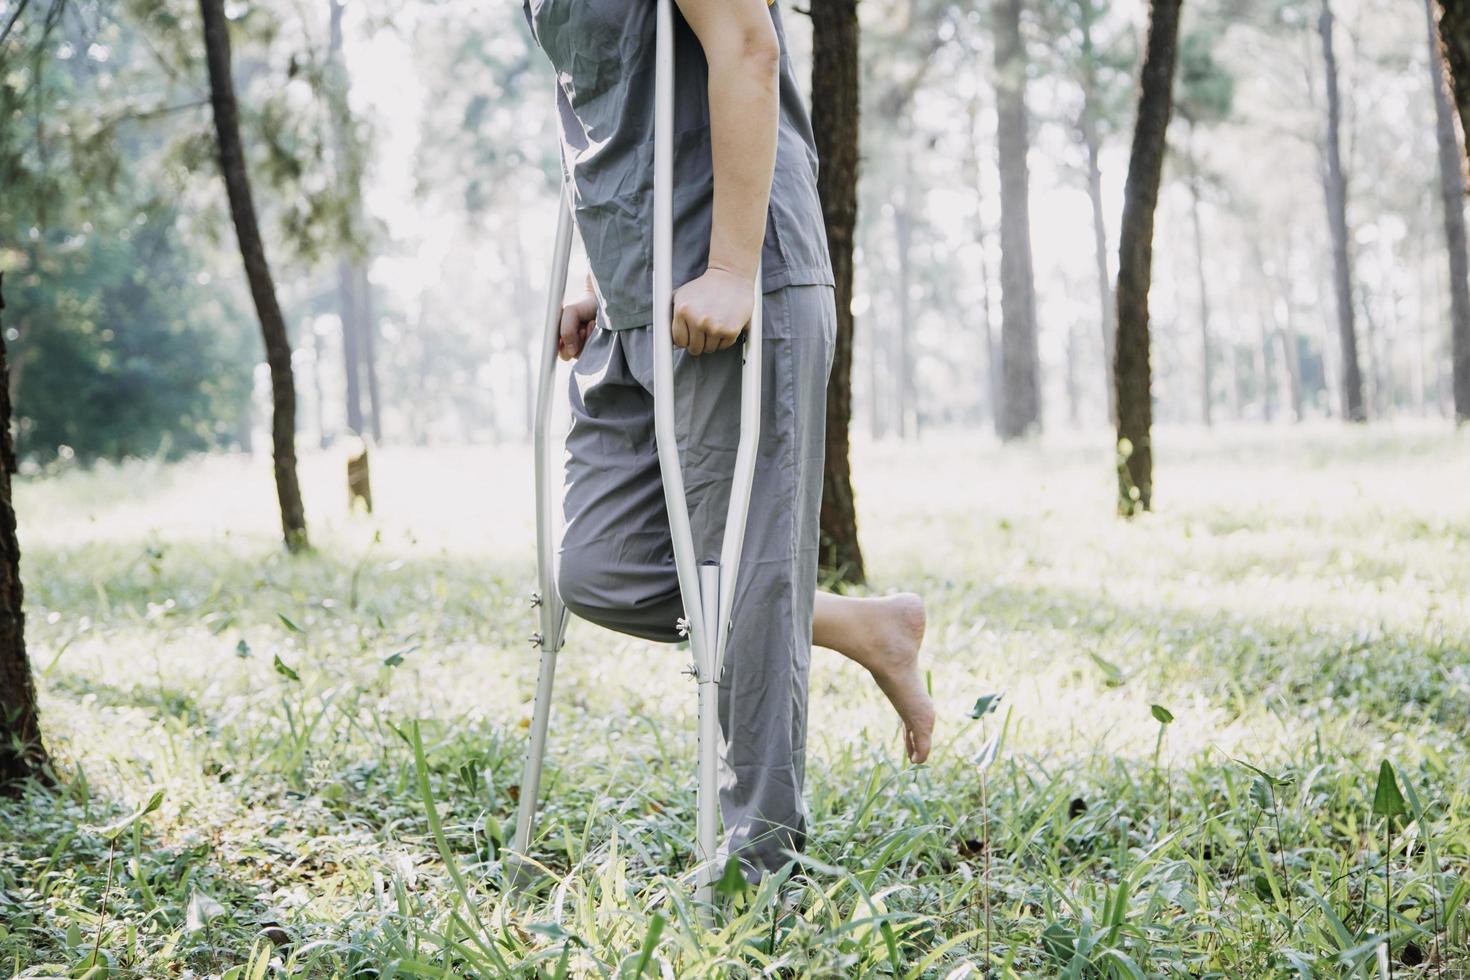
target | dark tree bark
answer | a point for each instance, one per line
(1452, 185)
(257, 271)
(835, 111)
(1020, 372)
(1135, 259)
(22, 753)
(1087, 125)
(1334, 185)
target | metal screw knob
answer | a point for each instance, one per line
(682, 626)
(536, 639)
(535, 599)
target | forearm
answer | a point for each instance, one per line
(743, 56)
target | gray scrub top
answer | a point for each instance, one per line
(603, 53)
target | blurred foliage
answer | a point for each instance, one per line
(123, 351)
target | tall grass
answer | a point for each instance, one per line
(337, 739)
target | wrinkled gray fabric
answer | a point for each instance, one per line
(603, 53)
(617, 561)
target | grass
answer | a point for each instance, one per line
(338, 737)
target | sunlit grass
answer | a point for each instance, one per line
(1299, 602)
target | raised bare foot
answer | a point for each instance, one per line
(897, 633)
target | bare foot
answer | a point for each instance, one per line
(897, 633)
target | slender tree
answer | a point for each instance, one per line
(1020, 374)
(22, 753)
(835, 113)
(1135, 258)
(1452, 199)
(1094, 111)
(257, 271)
(1334, 186)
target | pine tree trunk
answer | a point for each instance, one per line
(1135, 259)
(835, 110)
(370, 350)
(1207, 381)
(1092, 142)
(1020, 403)
(347, 313)
(992, 360)
(22, 753)
(1291, 357)
(1452, 183)
(257, 271)
(1334, 184)
(350, 300)
(903, 241)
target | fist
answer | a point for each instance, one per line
(577, 320)
(712, 311)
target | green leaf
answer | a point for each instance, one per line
(285, 671)
(1059, 942)
(290, 625)
(650, 943)
(201, 912)
(1388, 801)
(117, 828)
(242, 649)
(732, 882)
(986, 704)
(1261, 792)
(1113, 675)
(989, 752)
(393, 660)
(1162, 715)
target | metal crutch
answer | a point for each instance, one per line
(553, 612)
(708, 590)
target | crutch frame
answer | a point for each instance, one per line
(708, 589)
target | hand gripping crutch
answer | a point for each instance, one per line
(708, 589)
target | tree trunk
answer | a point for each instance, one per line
(1292, 358)
(1092, 142)
(22, 753)
(835, 108)
(1452, 182)
(1020, 381)
(351, 301)
(903, 242)
(992, 361)
(1334, 184)
(369, 350)
(257, 272)
(347, 313)
(1206, 366)
(1135, 259)
(319, 351)
(1264, 372)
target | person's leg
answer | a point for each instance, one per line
(763, 684)
(883, 634)
(616, 561)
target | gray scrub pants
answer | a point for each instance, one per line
(617, 561)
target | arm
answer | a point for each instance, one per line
(743, 54)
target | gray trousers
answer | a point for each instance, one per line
(617, 561)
